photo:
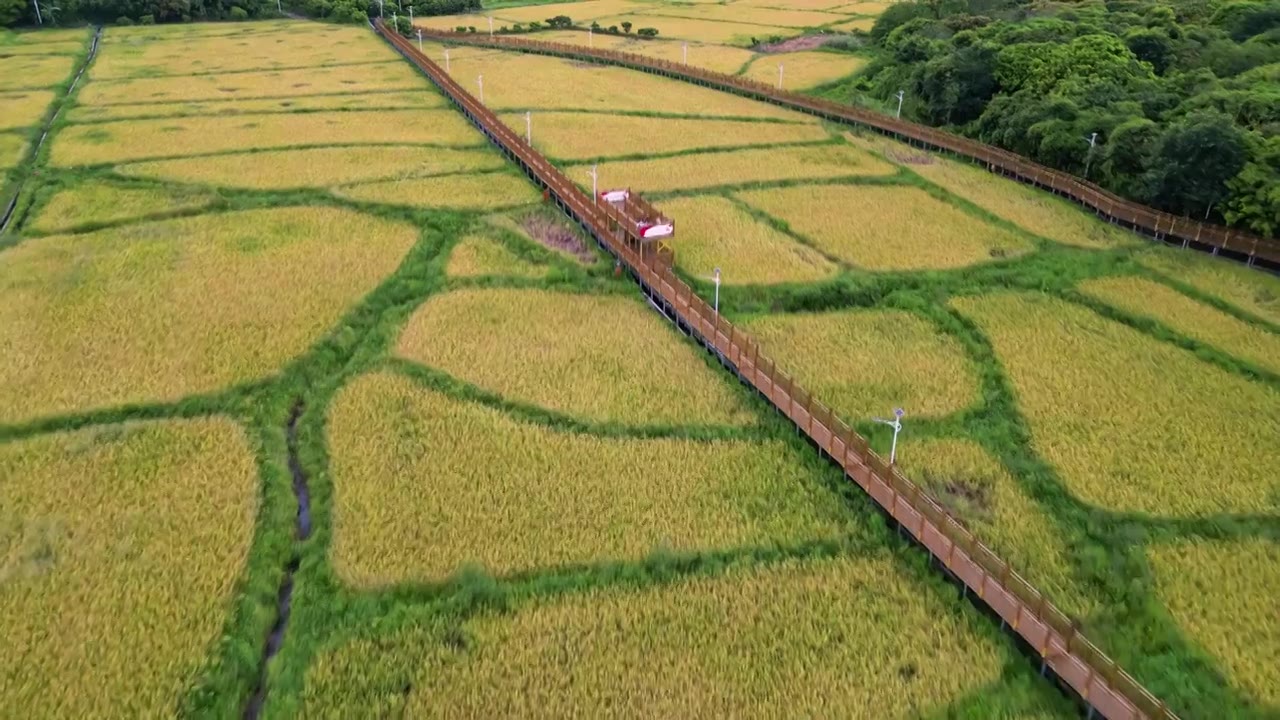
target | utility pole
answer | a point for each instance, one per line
(901, 94)
(39, 17)
(1088, 160)
(896, 424)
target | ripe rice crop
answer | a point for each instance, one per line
(848, 638)
(321, 45)
(716, 233)
(886, 228)
(720, 58)
(51, 48)
(1223, 594)
(424, 484)
(395, 75)
(12, 148)
(709, 31)
(788, 4)
(576, 354)
(596, 87)
(43, 37)
(741, 167)
(1254, 292)
(871, 9)
(101, 203)
(578, 136)
(315, 167)
(863, 24)
(195, 31)
(980, 493)
(157, 311)
(478, 256)
(1108, 420)
(125, 140)
(24, 109)
(588, 10)
(1192, 318)
(356, 101)
(123, 547)
(867, 362)
(21, 72)
(1033, 210)
(804, 69)
(797, 18)
(461, 192)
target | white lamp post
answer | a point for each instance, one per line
(480, 82)
(901, 94)
(896, 424)
(411, 16)
(716, 277)
(1088, 159)
(446, 57)
(420, 41)
(685, 50)
(490, 26)
(779, 76)
(590, 38)
(528, 127)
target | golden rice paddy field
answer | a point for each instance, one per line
(741, 167)
(12, 148)
(391, 75)
(1223, 595)
(853, 638)
(122, 545)
(28, 72)
(798, 18)
(720, 58)
(157, 311)
(595, 87)
(461, 192)
(479, 256)
(723, 32)
(100, 203)
(575, 354)
(583, 136)
(425, 484)
(990, 503)
(316, 167)
(716, 233)
(1100, 402)
(289, 46)
(867, 362)
(802, 70)
(1253, 292)
(24, 109)
(1146, 298)
(129, 140)
(887, 227)
(385, 100)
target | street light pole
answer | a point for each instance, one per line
(528, 127)
(901, 94)
(480, 82)
(717, 279)
(1088, 160)
(411, 18)
(685, 49)
(39, 17)
(446, 56)
(779, 76)
(420, 45)
(896, 424)
(591, 42)
(490, 26)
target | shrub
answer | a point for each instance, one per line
(647, 32)
(626, 26)
(535, 25)
(151, 19)
(613, 29)
(461, 28)
(124, 20)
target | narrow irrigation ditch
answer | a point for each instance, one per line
(34, 152)
(284, 598)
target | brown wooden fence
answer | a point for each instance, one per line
(1078, 663)
(1139, 217)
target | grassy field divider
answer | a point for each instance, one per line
(1140, 218)
(10, 211)
(1076, 663)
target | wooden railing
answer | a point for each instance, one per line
(1139, 217)
(1077, 662)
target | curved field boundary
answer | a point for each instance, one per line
(1160, 225)
(1102, 685)
(34, 152)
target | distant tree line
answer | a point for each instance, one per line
(128, 12)
(1184, 97)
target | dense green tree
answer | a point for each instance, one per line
(1255, 192)
(1193, 161)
